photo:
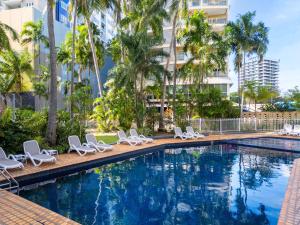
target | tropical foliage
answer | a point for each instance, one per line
(145, 87)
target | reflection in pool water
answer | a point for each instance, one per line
(220, 184)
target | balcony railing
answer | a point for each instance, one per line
(214, 2)
(217, 20)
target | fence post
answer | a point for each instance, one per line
(220, 126)
(255, 124)
(239, 124)
(200, 125)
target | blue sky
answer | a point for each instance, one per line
(283, 19)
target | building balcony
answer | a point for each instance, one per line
(211, 7)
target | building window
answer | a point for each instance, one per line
(64, 6)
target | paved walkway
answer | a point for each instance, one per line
(290, 209)
(15, 210)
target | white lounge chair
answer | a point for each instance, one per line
(81, 149)
(296, 130)
(182, 135)
(99, 145)
(134, 134)
(287, 129)
(190, 131)
(129, 140)
(33, 152)
(9, 162)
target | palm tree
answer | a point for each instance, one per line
(32, 32)
(145, 14)
(178, 8)
(4, 38)
(85, 9)
(207, 48)
(12, 67)
(258, 93)
(246, 38)
(138, 64)
(51, 127)
(74, 6)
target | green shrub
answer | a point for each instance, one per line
(30, 125)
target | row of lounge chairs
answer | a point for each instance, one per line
(189, 134)
(288, 129)
(37, 156)
(133, 139)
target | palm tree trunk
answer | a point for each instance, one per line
(239, 80)
(174, 80)
(88, 24)
(73, 57)
(164, 86)
(51, 127)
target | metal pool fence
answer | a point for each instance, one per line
(240, 124)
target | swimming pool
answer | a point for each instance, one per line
(217, 184)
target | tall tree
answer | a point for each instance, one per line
(12, 67)
(51, 127)
(177, 8)
(246, 38)
(4, 37)
(32, 32)
(86, 9)
(74, 16)
(140, 62)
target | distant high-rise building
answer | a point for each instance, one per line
(264, 72)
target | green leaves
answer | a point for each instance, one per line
(6, 32)
(12, 66)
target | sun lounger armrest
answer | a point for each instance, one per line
(101, 142)
(142, 136)
(132, 138)
(45, 151)
(85, 144)
(91, 145)
(11, 156)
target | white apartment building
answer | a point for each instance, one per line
(106, 23)
(217, 15)
(264, 72)
(17, 12)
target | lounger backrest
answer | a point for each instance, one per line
(31, 147)
(190, 130)
(2, 154)
(297, 128)
(90, 138)
(287, 127)
(133, 133)
(74, 141)
(121, 134)
(178, 131)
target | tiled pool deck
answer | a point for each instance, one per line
(16, 210)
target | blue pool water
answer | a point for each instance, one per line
(222, 184)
